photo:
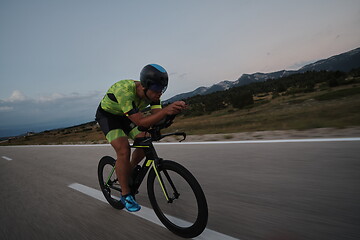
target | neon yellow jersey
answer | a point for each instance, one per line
(121, 99)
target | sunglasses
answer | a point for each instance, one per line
(158, 88)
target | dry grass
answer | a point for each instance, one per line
(87, 133)
(297, 112)
(284, 113)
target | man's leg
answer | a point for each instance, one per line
(136, 157)
(122, 166)
(123, 170)
(138, 153)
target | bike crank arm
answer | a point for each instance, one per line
(115, 188)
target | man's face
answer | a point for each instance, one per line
(153, 96)
(155, 91)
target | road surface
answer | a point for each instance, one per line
(270, 190)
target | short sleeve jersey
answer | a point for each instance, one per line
(121, 99)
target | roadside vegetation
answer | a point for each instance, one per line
(300, 101)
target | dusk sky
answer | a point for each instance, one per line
(58, 58)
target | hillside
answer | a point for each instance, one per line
(303, 101)
(344, 62)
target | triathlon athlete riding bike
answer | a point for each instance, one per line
(174, 193)
(119, 116)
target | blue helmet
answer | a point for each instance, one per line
(154, 77)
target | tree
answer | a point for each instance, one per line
(241, 99)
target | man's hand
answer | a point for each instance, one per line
(175, 107)
(140, 120)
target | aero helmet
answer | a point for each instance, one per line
(154, 77)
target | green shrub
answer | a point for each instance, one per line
(338, 94)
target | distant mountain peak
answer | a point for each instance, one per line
(344, 62)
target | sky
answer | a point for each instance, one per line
(58, 58)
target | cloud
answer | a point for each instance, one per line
(52, 98)
(46, 112)
(5, 109)
(178, 75)
(17, 96)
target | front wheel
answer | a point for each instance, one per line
(108, 181)
(177, 199)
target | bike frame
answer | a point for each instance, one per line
(151, 160)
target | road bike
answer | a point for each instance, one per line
(174, 193)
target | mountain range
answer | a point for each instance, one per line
(344, 62)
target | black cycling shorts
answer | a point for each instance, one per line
(115, 126)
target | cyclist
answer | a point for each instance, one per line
(119, 115)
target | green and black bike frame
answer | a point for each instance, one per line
(151, 161)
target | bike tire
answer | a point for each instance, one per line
(105, 164)
(182, 179)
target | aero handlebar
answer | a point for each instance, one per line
(165, 123)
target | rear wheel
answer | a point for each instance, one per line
(108, 181)
(185, 212)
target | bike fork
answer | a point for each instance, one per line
(162, 185)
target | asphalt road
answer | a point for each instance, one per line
(275, 191)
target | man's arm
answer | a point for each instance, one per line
(154, 111)
(156, 114)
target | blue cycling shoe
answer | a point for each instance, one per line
(130, 204)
